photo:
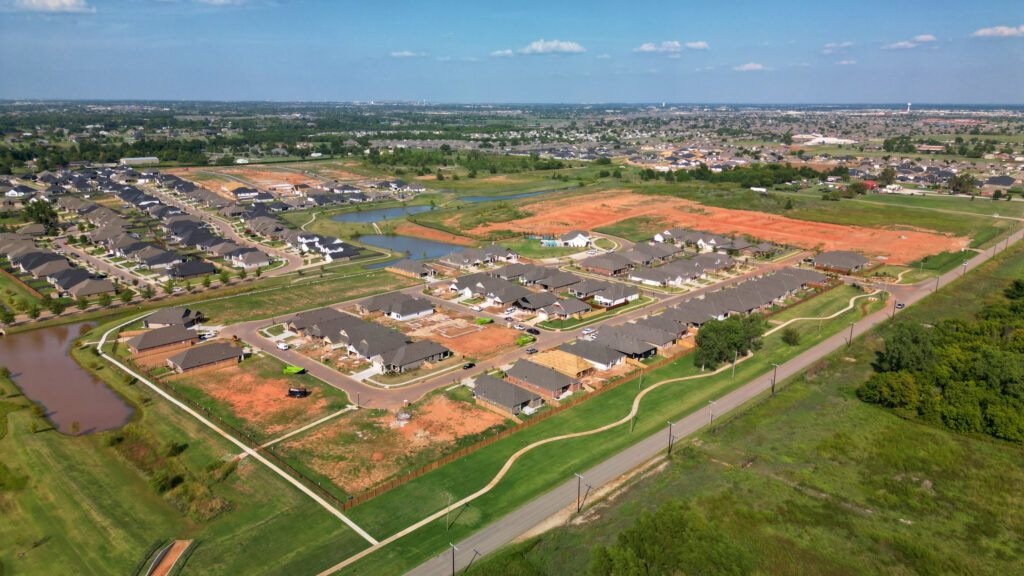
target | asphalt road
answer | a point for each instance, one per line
(372, 396)
(544, 506)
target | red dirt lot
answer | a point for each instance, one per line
(267, 178)
(411, 229)
(362, 450)
(587, 213)
(487, 341)
(262, 401)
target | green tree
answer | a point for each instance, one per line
(224, 276)
(721, 341)
(909, 348)
(125, 296)
(962, 183)
(106, 300)
(82, 302)
(33, 311)
(6, 315)
(206, 281)
(888, 176)
(892, 390)
(147, 292)
(791, 336)
(168, 286)
(1015, 291)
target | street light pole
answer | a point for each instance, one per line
(775, 372)
(849, 341)
(453, 557)
(735, 356)
(893, 316)
(964, 269)
(711, 413)
(475, 554)
(937, 278)
(670, 438)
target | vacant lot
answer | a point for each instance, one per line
(361, 450)
(605, 209)
(253, 396)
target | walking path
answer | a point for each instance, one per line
(245, 448)
(169, 559)
(836, 315)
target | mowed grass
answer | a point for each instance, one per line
(636, 229)
(544, 467)
(302, 293)
(531, 248)
(814, 481)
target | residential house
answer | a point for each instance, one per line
(162, 340)
(548, 382)
(841, 261)
(505, 396)
(173, 316)
(206, 357)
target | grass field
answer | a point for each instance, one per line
(635, 229)
(552, 463)
(531, 248)
(814, 481)
(301, 294)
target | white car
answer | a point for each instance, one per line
(588, 330)
(282, 346)
(519, 327)
(476, 309)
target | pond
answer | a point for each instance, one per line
(378, 214)
(475, 199)
(417, 248)
(43, 369)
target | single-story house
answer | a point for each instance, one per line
(162, 340)
(599, 355)
(505, 396)
(547, 382)
(173, 316)
(842, 261)
(410, 356)
(397, 305)
(209, 356)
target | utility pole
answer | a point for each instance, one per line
(893, 316)
(357, 400)
(735, 355)
(711, 413)
(579, 491)
(670, 439)
(453, 557)
(849, 341)
(475, 554)
(447, 512)
(962, 274)
(775, 373)
(936, 283)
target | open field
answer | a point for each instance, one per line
(554, 462)
(253, 396)
(365, 448)
(816, 481)
(531, 248)
(605, 209)
(286, 298)
(636, 229)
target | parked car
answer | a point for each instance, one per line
(476, 309)
(469, 365)
(519, 327)
(533, 331)
(588, 331)
(282, 346)
(900, 305)
(510, 311)
(531, 350)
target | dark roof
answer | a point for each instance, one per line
(161, 337)
(540, 376)
(192, 268)
(204, 355)
(412, 353)
(841, 259)
(174, 315)
(503, 393)
(591, 351)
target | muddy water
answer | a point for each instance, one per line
(74, 400)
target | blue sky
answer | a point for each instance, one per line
(938, 51)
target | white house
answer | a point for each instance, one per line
(575, 239)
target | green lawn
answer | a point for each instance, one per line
(531, 248)
(636, 229)
(814, 481)
(553, 463)
(604, 244)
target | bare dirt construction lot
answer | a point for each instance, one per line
(360, 450)
(266, 178)
(587, 213)
(459, 333)
(410, 229)
(256, 393)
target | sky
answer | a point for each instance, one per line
(936, 51)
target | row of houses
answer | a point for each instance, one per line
(703, 241)
(25, 256)
(475, 257)
(526, 386)
(390, 351)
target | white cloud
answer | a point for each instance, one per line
(502, 53)
(552, 47)
(407, 54)
(54, 6)
(670, 47)
(901, 45)
(846, 63)
(749, 67)
(1000, 31)
(908, 44)
(833, 47)
(604, 56)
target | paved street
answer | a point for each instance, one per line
(533, 513)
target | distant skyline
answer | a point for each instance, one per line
(549, 52)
